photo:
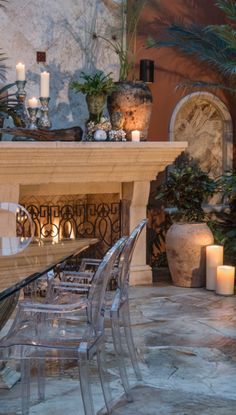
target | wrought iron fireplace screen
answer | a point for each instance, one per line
(76, 220)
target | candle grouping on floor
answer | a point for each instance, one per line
(44, 82)
(219, 277)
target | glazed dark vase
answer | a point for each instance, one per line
(134, 101)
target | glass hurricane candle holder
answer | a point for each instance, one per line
(32, 118)
(44, 121)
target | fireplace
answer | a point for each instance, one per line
(85, 170)
(76, 216)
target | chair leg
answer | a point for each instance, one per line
(41, 379)
(25, 385)
(103, 374)
(85, 385)
(125, 316)
(116, 335)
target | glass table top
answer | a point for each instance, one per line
(23, 260)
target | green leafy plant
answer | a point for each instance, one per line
(185, 190)
(213, 45)
(223, 224)
(95, 84)
(122, 40)
(7, 101)
(2, 55)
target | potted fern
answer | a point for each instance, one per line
(183, 193)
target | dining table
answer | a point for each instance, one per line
(22, 261)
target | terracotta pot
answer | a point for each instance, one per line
(134, 101)
(186, 253)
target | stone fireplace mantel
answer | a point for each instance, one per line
(39, 168)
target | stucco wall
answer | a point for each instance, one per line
(63, 30)
(171, 68)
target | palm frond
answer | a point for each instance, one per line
(228, 7)
(226, 32)
(204, 45)
(198, 85)
(2, 66)
(2, 3)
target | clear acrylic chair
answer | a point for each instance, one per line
(70, 330)
(16, 233)
(120, 311)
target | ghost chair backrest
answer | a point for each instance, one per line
(16, 228)
(126, 257)
(96, 296)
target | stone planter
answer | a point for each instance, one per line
(134, 101)
(186, 253)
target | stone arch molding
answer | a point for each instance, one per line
(203, 120)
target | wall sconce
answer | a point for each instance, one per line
(146, 68)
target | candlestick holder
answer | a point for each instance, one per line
(22, 116)
(32, 118)
(44, 121)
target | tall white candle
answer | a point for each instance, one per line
(20, 72)
(135, 135)
(44, 84)
(33, 102)
(225, 280)
(214, 258)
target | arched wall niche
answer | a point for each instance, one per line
(203, 120)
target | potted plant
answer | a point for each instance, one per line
(223, 223)
(132, 98)
(184, 192)
(97, 87)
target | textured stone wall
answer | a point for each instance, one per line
(63, 29)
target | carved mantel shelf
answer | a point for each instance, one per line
(89, 167)
(58, 162)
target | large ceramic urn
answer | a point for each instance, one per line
(134, 101)
(186, 253)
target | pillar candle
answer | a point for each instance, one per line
(225, 280)
(33, 102)
(20, 72)
(214, 258)
(135, 135)
(44, 84)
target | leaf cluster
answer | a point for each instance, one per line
(223, 224)
(123, 39)
(185, 189)
(95, 84)
(2, 55)
(7, 100)
(214, 45)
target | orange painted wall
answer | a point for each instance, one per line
(170, 67)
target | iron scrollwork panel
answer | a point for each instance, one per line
(77, 220)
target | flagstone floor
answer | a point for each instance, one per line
(186, 342)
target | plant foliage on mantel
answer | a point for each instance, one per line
(95, 84)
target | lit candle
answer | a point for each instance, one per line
(225, 280)
(214, 258)
(33, 102)
(135, 135)
(44, 84)
(20, 72)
